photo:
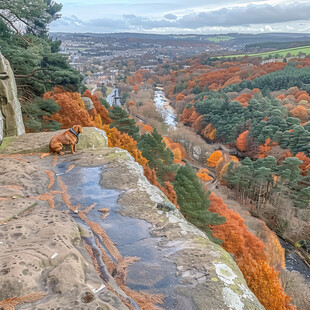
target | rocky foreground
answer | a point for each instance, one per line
(88, 231)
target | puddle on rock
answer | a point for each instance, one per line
(154, 273)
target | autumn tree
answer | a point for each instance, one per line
(136, 88)
(100, 108)
(204, 175)
(250, 256)
(214, 159)
(72, 110)
(126, 142)
(301, 113)
(241, 141)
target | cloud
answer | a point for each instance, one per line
(68, 21)
(239, 16)
(249, 15)
(170, 16)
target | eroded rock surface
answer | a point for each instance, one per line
(88, 103)
(39, 142)
(11, 122)
(42, 249)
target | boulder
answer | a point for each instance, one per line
(88, 103)
(11, 121)
(91, 137)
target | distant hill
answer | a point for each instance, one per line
(230, 38)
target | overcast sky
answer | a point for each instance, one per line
(184, 16)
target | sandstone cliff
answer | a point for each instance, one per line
(89, 232)
(11, 122)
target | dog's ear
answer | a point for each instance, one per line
(77, 128)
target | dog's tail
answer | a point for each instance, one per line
(45, 154)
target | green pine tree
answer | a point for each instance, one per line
(194, 203)
(160, 157)
(123, 123)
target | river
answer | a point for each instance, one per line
(114, 98)
(292, 260)
(165, 110)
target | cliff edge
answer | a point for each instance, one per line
(88, 231)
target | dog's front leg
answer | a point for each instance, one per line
(72, 148)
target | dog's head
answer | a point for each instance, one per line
(77, 129)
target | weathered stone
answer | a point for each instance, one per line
(11, 121)
(88, 103)
(41, 250)
(39, 142)
(210, 279)
(1, 127)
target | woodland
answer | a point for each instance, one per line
(260, 111)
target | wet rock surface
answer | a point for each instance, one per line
(102, 201)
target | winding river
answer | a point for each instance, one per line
(164, 108)
(292, 260)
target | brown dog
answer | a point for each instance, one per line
(69, 137)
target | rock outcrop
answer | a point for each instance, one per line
(62, 219)
(89, 105)
(11, 121)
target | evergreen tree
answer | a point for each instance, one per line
(159, 156)
(302, 199)
(123, 123)
(196, 90)
(194, 203)
(36, 115)
(32, 54)
(33, 16)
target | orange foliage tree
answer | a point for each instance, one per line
(210, 132)
(214, 159)
(300, 112)
(136, 88)
(100, 109)
(131, 103)
(180, 97)
(72, 110)
(177, 149)
(124, 141)
(264, 149)
(241, 141)
(250, 256)
(187, 113)
(305, 166)
(203, 174)
(244, 99)
(197, 124)
(147, 128)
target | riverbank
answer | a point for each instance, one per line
(293, 260)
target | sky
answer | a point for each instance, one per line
(183, 16)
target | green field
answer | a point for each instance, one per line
(220, 38)
(183, 37)
(280, 53)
